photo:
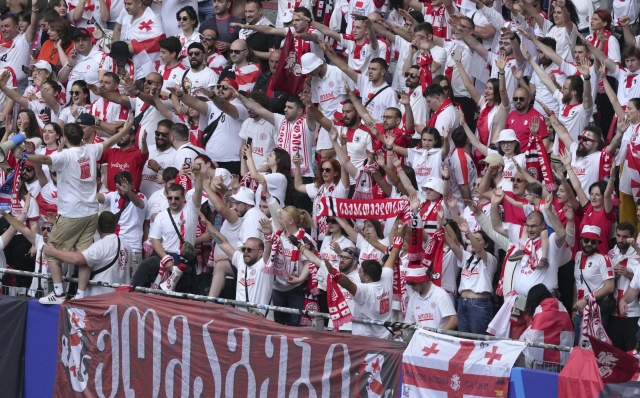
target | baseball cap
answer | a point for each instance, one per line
(231, 82)
(287, 17)
(435, 183)
(493, 158)
(86, 120)
(309, 63)
(245, 195)
(42, 65)
(79, 32)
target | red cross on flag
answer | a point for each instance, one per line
(445, 366)
(630, 180)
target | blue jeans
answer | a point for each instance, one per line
(293, 298)
(205, 10)
(474, 314)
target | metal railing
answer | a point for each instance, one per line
(318, 325)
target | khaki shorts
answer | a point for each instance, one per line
(73, 232)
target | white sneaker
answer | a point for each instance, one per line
(52, 299)
(170, 284)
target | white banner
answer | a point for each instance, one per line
(436, 365)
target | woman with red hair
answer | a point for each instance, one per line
(601, 31)
(332, 181)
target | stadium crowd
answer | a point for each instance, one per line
(168, 144)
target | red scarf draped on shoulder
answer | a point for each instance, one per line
(432, 121)
(277, 264)
(424, 62)
(484, 130)
(433, 256)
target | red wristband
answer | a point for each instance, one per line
(397, 242)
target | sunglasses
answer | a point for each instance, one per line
(150, 82)
(208, 37)
(322, 170)
(412, 75)
(170, 198)
(585, 139)
(75, 92)
(28, 169)
(183, 19)
(592, 242)
(236, 51)
(161, 134)
(446, 88)
(195, 54)
(222, 87)
(519, 99)
(49, 228)
(247, 249)
(517, 179)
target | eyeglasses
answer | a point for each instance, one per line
(585, 139)
(531, 193)
(171, 198)
(323, 170)
(519, 99)
(28, 169)
(388, 117)
(247, 249)
(161, 134)
(236, 51)
(49, 228)
(150, 82)
(195, 54)
(183, 19)
(517, 179)
(591, 242)
(446, 88)
(208, 37)
(346, 258)
(222, 87)
(412, 75)
(529, 226)
(75, 92)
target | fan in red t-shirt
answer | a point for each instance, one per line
(125, 157)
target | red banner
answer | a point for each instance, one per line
(129, 344)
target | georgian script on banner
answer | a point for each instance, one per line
(128, 344)
(362, 209)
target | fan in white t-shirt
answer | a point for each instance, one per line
(431, 306)
(373, 295)
(109, 259)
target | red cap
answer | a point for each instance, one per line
(232, 83)
(28, 163)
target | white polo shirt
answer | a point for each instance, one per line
(587, 168)
(358, 143)
(597, 269)
(16, 55)
(432, 311)
(418, 108)
(186, 221)
(86, 68)
(252, 282)
(374, 302)
(329, 91)
(206, 78)
(263, 136)
(359, 54)
(149, 120)
(631, 261)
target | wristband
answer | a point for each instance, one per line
(550, 114)
(65, 65)
(181, 94)
(446, 179)
(268, 238)
(399, 169)
(165, 260)
(397, 242)
(301, 247)
(586, 78)
(501, 74)
(336, 274)
(390, 148)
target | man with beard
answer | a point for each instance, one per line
(625, 261)
(575, 101)
(245, 73)
(350, 129)
(593, 275)
(214, 60)
(262, 133)
(109, 115)
(417, 101)
(30, 179)
(519, 120)
(588, 156)
(200, 75)
(277, 98)
(444, 114)
(125, 157)
(129, 207)
(83, 63)
(536, 85)
(258, 42)
(161, 156)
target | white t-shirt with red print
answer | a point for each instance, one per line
(186, 222)
(432, 311)
(374, 302)
(477, 276)
(131, 219)
(590, 278)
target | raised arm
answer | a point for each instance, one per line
(189, 100)
(496, 221)
(466, 80)
(629, 38)
(116, 137)
(535, 14)
(550, 53)
(341, 153)
(353, 234)
(611, 94)
(325, 30)
(219, 238)
(565, 156)
(555, 222)
(212, 193)
(254, 107)
(266, 29)
(544, 76)
(30, 33)
(337, 61)
(612, 66)
(558, 127)
(475, 142)
(608, 192)
(474, 44)
(587, 96)
(501, 64)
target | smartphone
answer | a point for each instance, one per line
(187, 161)
(457, 52)
(249, 141)
(27, 71)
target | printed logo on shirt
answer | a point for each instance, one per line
(467, 272)
(580, 171)
(425, 317)
(331, 84)
(384, 305)
(424, 170)
(327, 97)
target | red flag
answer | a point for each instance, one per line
(288, 77)
(616, 366)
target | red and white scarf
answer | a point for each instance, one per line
(16, 207)
(592, 323)
(433, 256)
(399, 287)
(338, 307)
(432, 121)
(247, 75)
(292, 138)
(531, 248)
(424, 62)
(378, 209)
(277, 264)
(482, 125)
(321, 221)
(249, 182)
(47, 199)
(364, 183)
(500, 289)
(537, 159)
